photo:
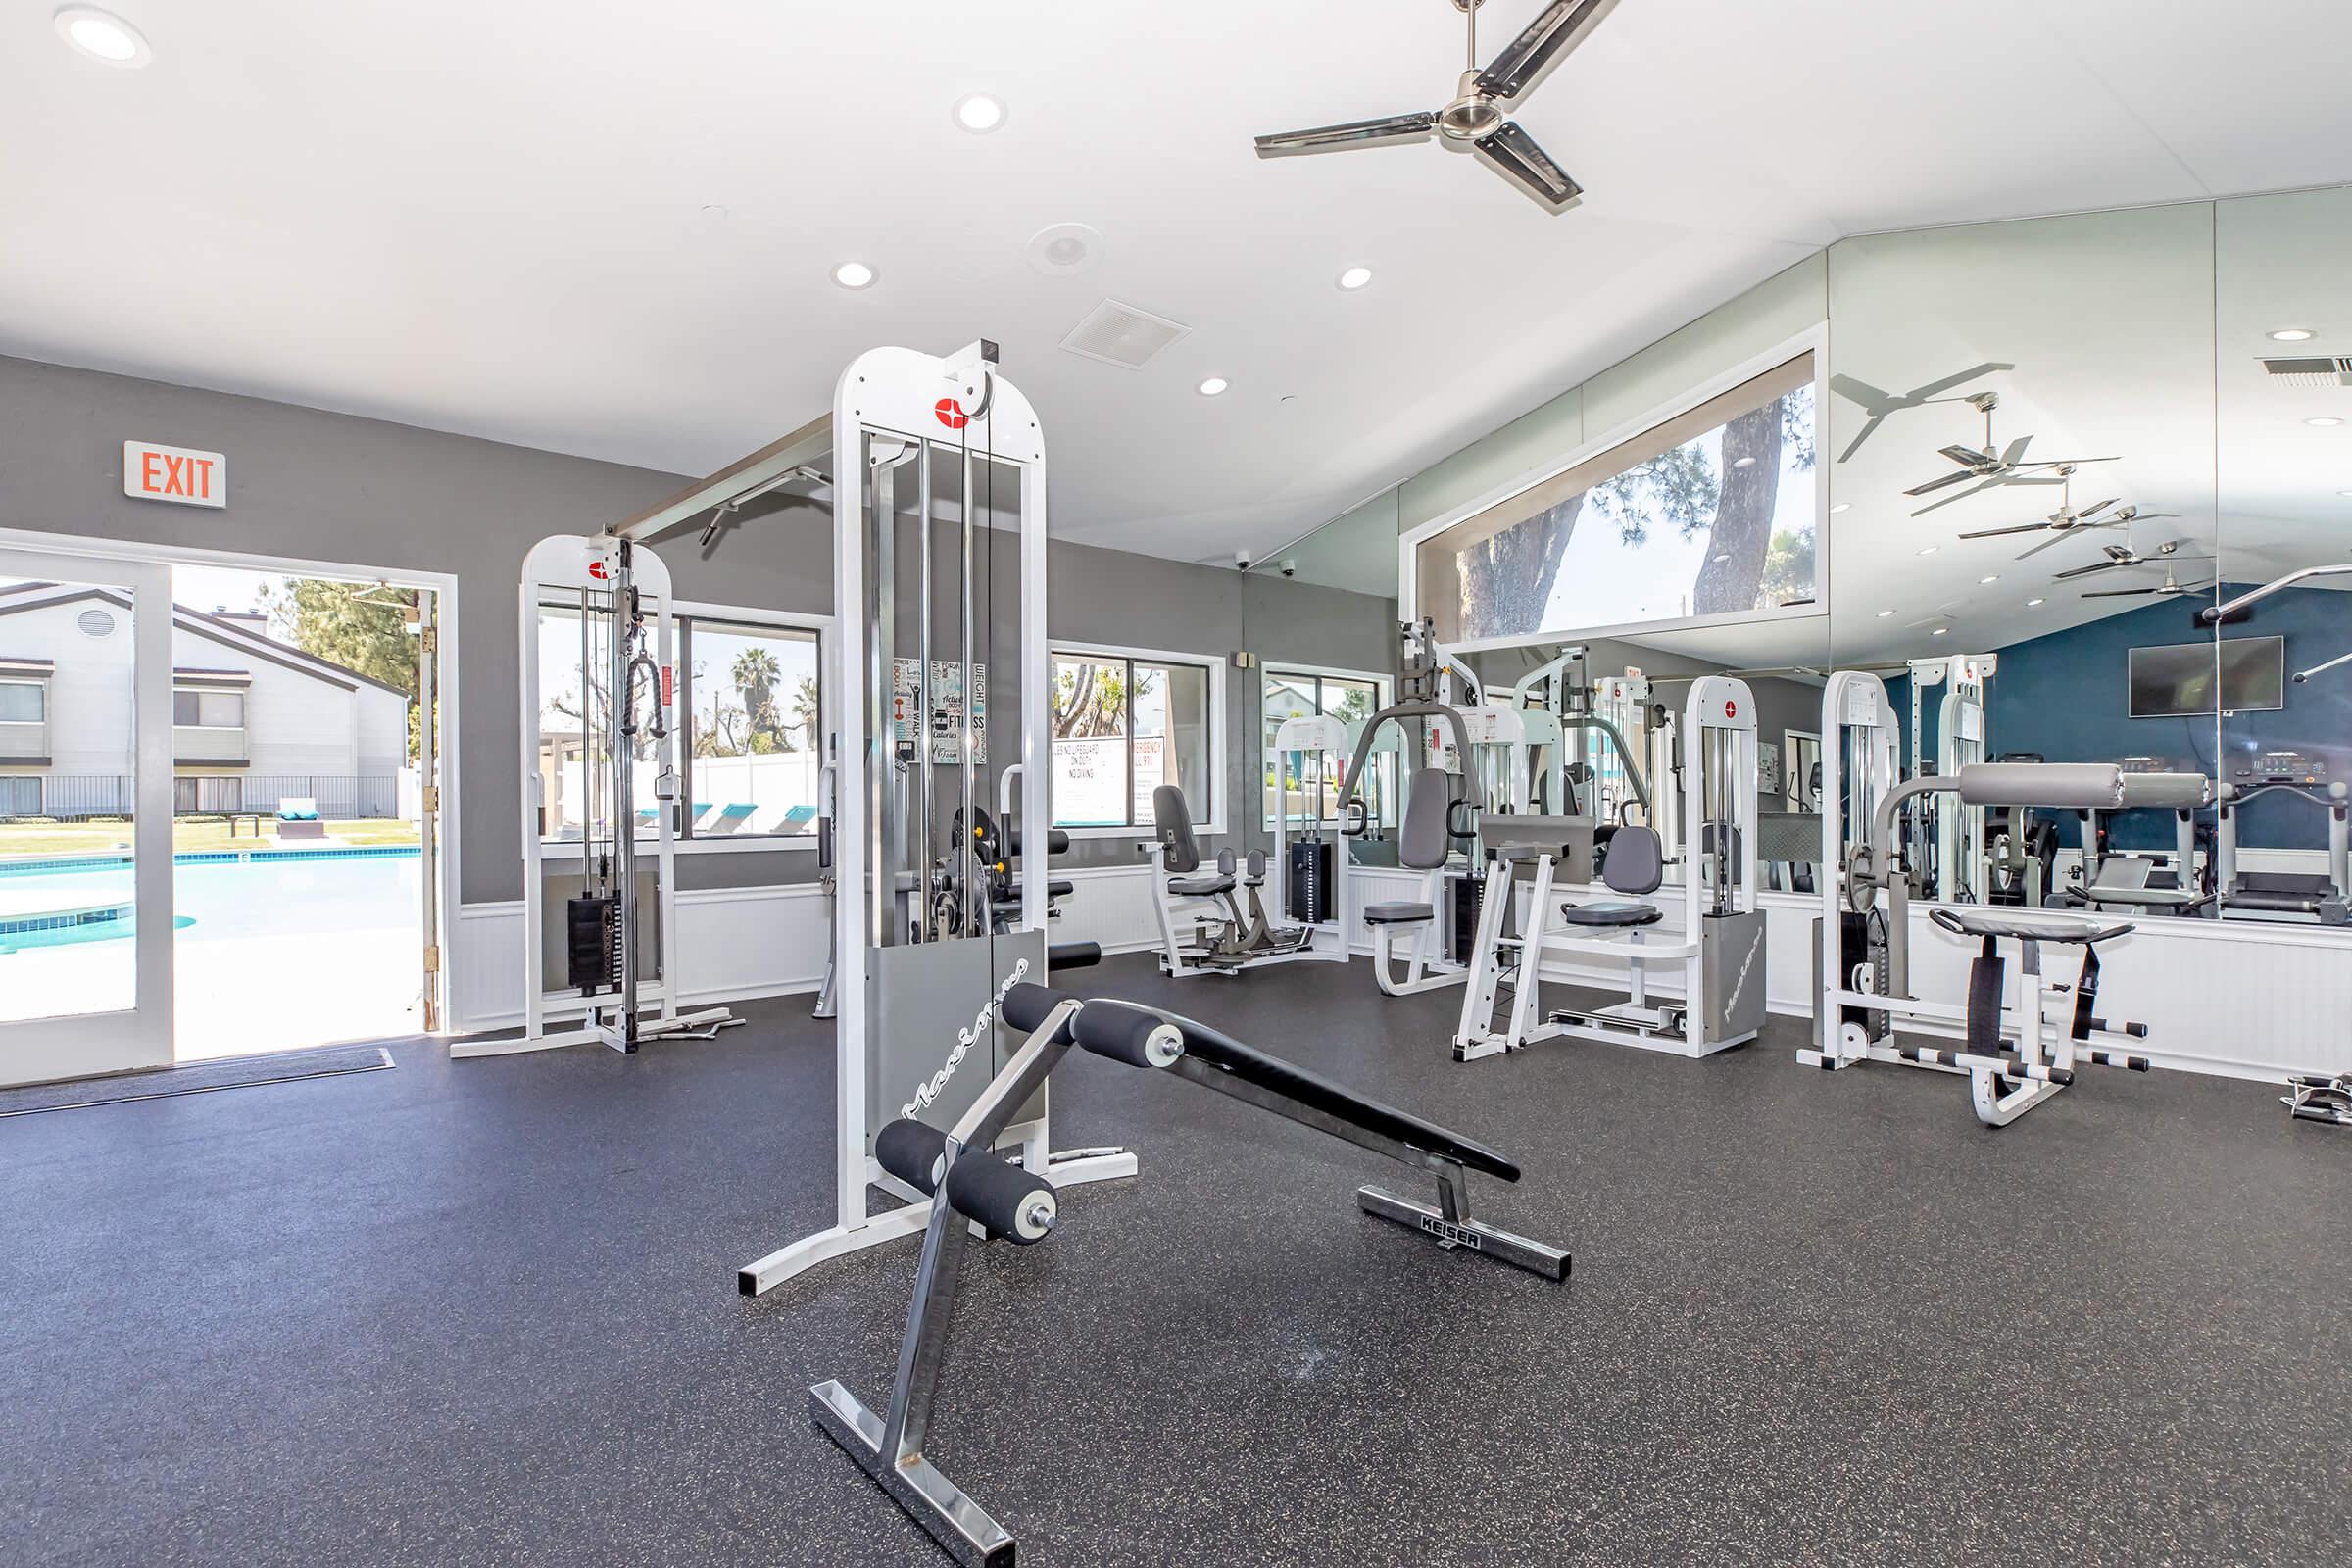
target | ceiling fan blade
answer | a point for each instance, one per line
(2057, 536)
(1513, 154)
(2015, 452)
(2095, 508)
(2073, 572)
(2125, 593)
(1929, 389)
(1995, 533)
(1971, 458)
(1395, 130)
(1962, 476)
(1547, 40)
(1861, 435)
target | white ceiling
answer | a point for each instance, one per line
(605, 227)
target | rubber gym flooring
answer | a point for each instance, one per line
(484, 1312)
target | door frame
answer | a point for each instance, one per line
(442, 986)
(83, 1045)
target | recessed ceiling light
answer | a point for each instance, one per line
(1931, 550)
(1939, 631)
(1356, 278)
(1995, 579)
(2323, 422)
(104, 37)
(2294, 334)
(1842, 506)
(2031, 603)
(1212, 386)
(854, 274)
(979, 113)
(1883, 614)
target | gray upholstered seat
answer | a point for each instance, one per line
(2027, 927)
(1636, 864)
(1609, 915)
(1397, 914)
(1199, 887)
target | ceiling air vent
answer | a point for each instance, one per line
(2310, 370)
(1121, 334)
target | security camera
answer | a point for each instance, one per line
(1290, 568)
(1242, 559)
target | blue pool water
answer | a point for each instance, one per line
(218, 896)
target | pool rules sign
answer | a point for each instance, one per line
(175, 474)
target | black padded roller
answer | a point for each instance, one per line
(1026, 1005)
(1004, 1198)
(1122, 1031)
(912, 1152)
(1073, 954)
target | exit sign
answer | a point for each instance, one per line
(175, 474)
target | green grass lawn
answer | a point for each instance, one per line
(188, 833)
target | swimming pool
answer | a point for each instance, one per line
(270, 949)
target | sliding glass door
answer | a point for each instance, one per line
(85, 816)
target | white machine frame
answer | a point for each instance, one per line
(1721, 705)
(1961, 740)
(1856, 712)
(903, 395)
(638, 1008)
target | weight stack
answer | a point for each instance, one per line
(592, 946)
(1312, 868)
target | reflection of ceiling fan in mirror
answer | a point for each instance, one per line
(1990, 465)
(2170, 586)
(2068, 520)
(1876, 404)
(2167, 556)
(1476, 120)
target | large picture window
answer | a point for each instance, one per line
(1708, 515)
(1126, 721)
(1350, 698)
(751, 729)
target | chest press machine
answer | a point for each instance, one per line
(1719, 949)
(972, 1197)
(2016, 1056)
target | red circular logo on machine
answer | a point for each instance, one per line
(950, 413)
(1731, 710)
(596, 570)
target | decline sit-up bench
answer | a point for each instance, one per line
(972, 1187)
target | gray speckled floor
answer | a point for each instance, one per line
(484, 1312)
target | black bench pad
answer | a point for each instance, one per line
(1318, 1093)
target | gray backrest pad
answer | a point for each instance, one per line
(1635, 864)
(1172, 819)
(1423, 842)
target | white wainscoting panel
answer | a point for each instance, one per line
(1110, 905)
(733, 944)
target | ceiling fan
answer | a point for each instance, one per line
(2170, 586)
(1990, 465)
(1476, 120)
(2119, 556)
(1877, 403)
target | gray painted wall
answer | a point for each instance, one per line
(330, 487)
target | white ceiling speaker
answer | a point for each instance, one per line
(1063, 250)
(103, 37)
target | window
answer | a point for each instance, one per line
(1709, 515)
(1349, 699)
(752, 725)
(208, 709)
(749, 736)
(19, 796)
(23, 702)
(1126, 721)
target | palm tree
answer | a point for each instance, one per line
(804, 709)
(755, 673)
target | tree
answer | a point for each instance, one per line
(1089, 699)
(804, 705)
(1507, 576)
(360, 627)
(1730, 576)
(755, 674)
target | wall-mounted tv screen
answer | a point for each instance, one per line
(2178, 680)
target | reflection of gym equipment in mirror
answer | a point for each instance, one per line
(1948, 849)
(612, 958)
(969, 1198)
(1720, 950)
(938, 907)
(2285, 774)
(1440, 809)
(2015, 1054)
(2155, 881)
